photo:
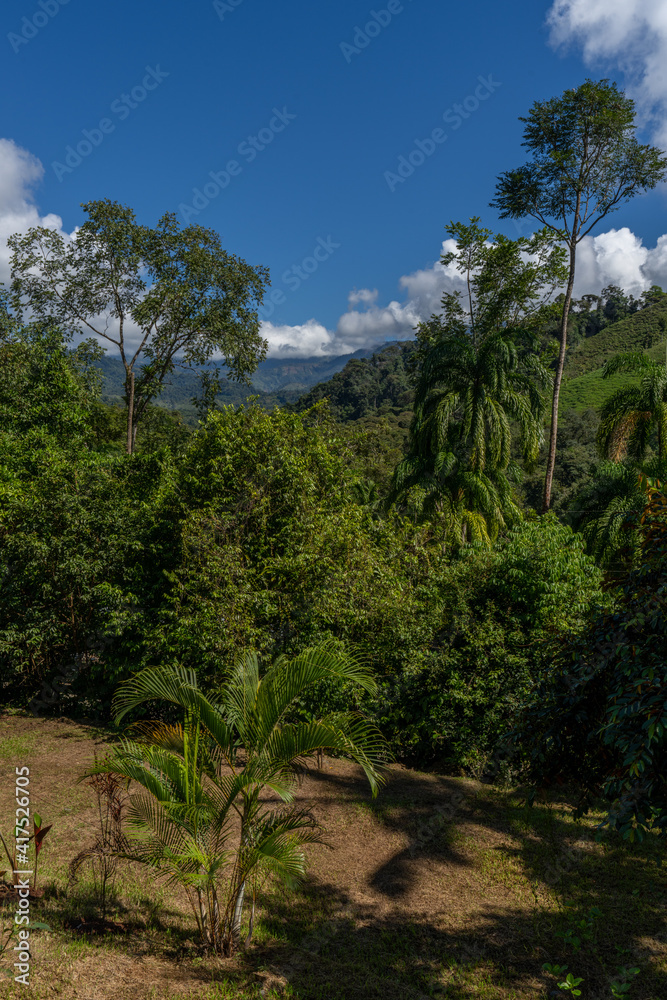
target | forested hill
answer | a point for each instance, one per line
(366, 384)
(380, 382)
(583, 386)
(277, 381)
(639, 331)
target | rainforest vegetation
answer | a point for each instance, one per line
(452, 554)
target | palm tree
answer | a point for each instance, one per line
(478, 373)
(608, 508)
(466, 396)
(632, 413)
(199, 775)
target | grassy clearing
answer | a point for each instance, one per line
(442, 887)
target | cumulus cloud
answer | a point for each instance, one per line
(362, 296)
(20, 171)
(426, 287)
(619, 257)
(306, 340)
(616, 257)
(630, 33)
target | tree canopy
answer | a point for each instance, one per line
(162, 297)
(585, 163)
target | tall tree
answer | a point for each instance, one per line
(478, 371)
(164, 297)
(585, 163)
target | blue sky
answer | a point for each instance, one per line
(184, 87)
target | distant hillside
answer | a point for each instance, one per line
(299, 374)
(277, 382)
(641, 330)
(367, 385)
(583, 385)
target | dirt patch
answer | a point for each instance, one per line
(439, 887)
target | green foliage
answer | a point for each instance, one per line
(476, 374)
(219, 762)
(621, 987)
(46, 390)
(79, 556)
(189, 298)
(580, 929)
(501, 613)
(276, 551)
(597, 717)
(630, 414)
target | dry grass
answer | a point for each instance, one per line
(441, 887)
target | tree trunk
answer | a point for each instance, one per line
(236, 919)
(551, 461)
(203, 915)
(131, 431)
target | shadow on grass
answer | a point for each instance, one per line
(503, 953)
(135, 928)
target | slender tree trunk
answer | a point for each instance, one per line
(238, 913)
(130, 412)
(551, 461)
(252, 921)
(216, 922)
(203, 915)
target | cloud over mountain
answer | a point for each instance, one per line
(615, 257)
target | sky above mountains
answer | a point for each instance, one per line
(329, 141)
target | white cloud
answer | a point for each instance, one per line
(365, 296)
(615, 257)
(619, 257)
(630, 33)
(307, 340)
(20, 171)
(426, 287)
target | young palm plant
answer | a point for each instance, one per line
(202, 819)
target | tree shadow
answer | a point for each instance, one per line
(360, 953)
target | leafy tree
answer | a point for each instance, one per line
(651, 297)
(82, 533)
(497, 617)
(631, 414)
(477, 373)
(618, 305)
(275, 544)
(598, 717)
(586, 162)
(199, 775)
(47, 391)
(166, 297)
(84, 544)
